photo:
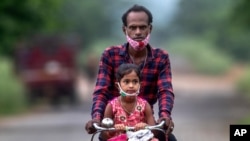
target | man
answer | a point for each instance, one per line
(154, 63)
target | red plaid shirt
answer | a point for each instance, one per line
(156, 79)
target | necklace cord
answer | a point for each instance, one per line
(125, 109)
(144, 62)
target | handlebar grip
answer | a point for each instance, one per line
(129, 127)
(102, 128)
(156, 126)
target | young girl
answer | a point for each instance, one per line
(128, 109)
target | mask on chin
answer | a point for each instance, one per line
(122, 93)
(138, 45)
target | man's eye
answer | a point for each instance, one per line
(143, 27)
(132, 27)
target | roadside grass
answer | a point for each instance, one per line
(201, 54)
(245, 120)
(12, 92)
(244, 89)
(243, 83)
(205, 59)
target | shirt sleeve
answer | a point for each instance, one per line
(165, 89)
(100, 95)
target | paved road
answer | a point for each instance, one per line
(47, 125)
(199, 115)
(206, 118)
(196, 119)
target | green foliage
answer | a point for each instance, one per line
(86, 18)
(21, 18)
(243, 83)
(236, 43)
(94, 51)
(12, 93)
(199, 17)
(245, 120)
(201, 53)
(225, 23)
(240, 15)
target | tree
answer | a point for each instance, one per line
(224, 23)
(240, 15)
(20, 18)
(86, 18)
(239, 31)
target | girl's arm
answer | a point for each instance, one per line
(108, 114)
(149, 115)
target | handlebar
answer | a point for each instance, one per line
(159, 127)
(152, 127)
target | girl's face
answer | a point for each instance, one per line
(130, 83)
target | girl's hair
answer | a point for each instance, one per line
(126, 68)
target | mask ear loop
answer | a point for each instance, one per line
(126, 94)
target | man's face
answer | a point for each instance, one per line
(137, 26)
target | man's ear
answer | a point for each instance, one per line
(150, 27)
(124, 29)
(116, 85)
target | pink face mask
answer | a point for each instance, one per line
(138, 45)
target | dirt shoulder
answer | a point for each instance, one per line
(196, 83)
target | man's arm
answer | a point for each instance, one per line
(101, 94)
(165, 89)
(165, 94)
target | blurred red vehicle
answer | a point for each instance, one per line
(48, 69)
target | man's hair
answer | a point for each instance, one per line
(126, 68)
(137, 8)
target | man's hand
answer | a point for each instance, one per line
(169, 124)
(89, 126)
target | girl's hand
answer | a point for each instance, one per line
(140, 126)
(120, 126)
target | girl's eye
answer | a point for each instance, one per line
(130, 81)
(135, 81)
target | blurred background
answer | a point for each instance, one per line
(49, 53)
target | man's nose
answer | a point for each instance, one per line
(138, 31)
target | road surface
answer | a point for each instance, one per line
(199, 114)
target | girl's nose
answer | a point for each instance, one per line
(131, 85)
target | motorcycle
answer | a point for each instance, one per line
(131, 135)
